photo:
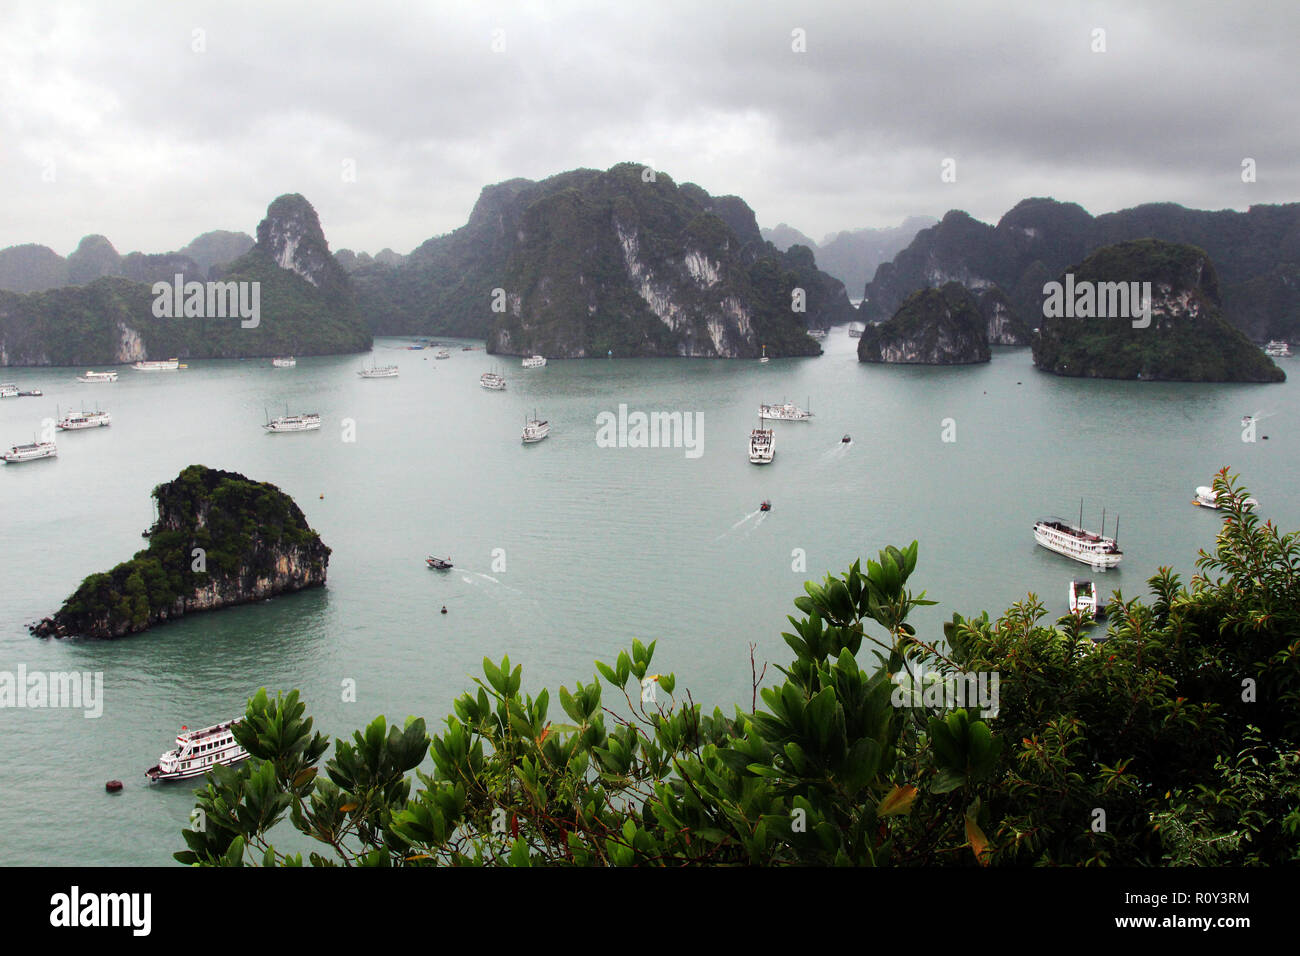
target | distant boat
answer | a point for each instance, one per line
(197, 752)
(818, 333)
(308, 421)
(855, 332)
(97, 377)
(167, 365)
(8, 390)
(1206, 498)
(74, 421)
(535, 429)
(30, 452)
(438, 564)
(765, 506)
(846, 440)
(785, 412)
(442, 354)
(763, 358)
(379, 371)
(492, 381)
(1074, 541)
(1278, 349)
(534, 361)
(286, 362)
(762, 446)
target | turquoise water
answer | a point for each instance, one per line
(600, 545)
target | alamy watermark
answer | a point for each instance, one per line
(976, 691)
(50, 689)
(1098, 300)
(208, 300)
(651, 430)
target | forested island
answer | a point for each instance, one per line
(220, 539)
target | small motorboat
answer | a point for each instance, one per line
(846, 440)
(1083, 599)
(438, 564)
(765, 506)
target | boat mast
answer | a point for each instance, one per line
(1080, 514)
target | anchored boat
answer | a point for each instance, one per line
(287, 362)
(492, 381)
(534, 361)
(308, 421)
(197, 752)
(535, 429)
(74, 421)
(785, 412)
(762, 447)
(1076, 542)
(30, 452)
(167, 365)
(91, 376)
(1206, 498)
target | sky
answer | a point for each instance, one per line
(153, 122)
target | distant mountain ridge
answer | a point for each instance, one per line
(1257, 254)
(852, 255)
(595, 262)
(307, 305)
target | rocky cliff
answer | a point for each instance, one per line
(591, 262)
(220, 539)
(1183, 337)
(943, 326)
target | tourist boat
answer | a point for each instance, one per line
(763, 359)
(31, 393)
(785, 412)
(78, 420)
(442, 354)
(287, 362)
(97, 377)
(197, 752)
(308, 421)
(1074, 541)
(765, 506)
(168, 365)
(535, 429)
(1083, 599)
(855, 332)
(1278, 349)
(534, 361)
(438, 564)
(492, 380)
(818, 333)
(1206, 498)
(761, 446)
(379, 371)
(8, 390)
(30, 452)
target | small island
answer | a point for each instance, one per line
(1182, 337)
(943, 326)
(220, 539)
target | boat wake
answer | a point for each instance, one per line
(756, 513)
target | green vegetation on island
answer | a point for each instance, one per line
(1173, 741)
(219, 539)
(943, 326)
(1185, 337)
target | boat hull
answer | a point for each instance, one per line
(1100, 559)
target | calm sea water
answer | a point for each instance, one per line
(600, 545)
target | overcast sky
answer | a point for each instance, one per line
(153, 122)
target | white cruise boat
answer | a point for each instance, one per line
(1206, 498)
(535, 430)
(763, 359)
(1278, 349)
(287, 362)
(1083, 599)
(8, 390)
(168, 365)
(762, 446)
(308, 421)
(855, 332)
(1074, 541)
(442, 354)
(818, 333)
(74, 421)
(492, 381)
(97, 377)
(197, 752)
(30, 452)
(534, 361)
(379, 371)
(785, 412)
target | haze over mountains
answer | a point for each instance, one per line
(852, 255)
